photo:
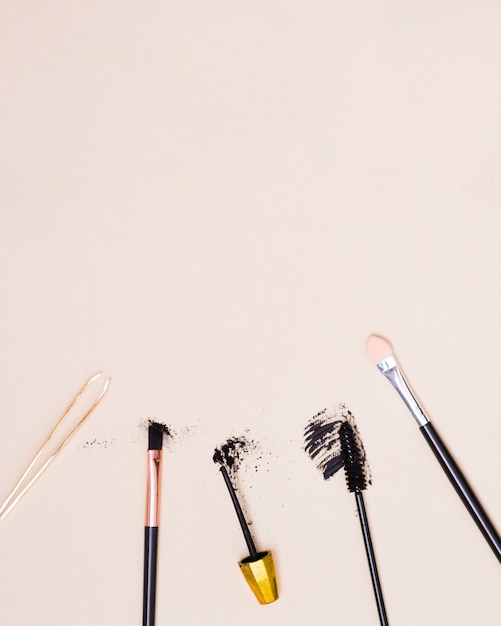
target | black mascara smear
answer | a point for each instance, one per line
(324, 444)
(232, 452)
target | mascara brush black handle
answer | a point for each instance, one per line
(240, 514)
(150, 574)
(462, 488)
(371, 557)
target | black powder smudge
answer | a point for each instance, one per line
(169, 433)
(323, 441)
(163, 428)
(231, 455)
(233, 452)
(172, 436)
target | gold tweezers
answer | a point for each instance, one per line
(20, 489)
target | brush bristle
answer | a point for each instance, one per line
(155, 437)
(378, 349)
(353, 458)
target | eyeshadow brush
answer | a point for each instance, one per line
(380, 352)
(154, 462)
(333, 442)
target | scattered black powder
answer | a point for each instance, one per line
(234, 451)
(97, 443)
(173, 435)
(163, 428)
(323, 441)
(169, 433)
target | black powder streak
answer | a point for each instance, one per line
(316, 434)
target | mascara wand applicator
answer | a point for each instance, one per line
(333, 442)
(380, 353)
(258, 568)
(357, 483)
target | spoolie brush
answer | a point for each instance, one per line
(333, 441)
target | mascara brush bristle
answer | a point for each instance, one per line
(353, 459)
(332, 441)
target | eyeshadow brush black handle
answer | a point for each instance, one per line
(381, 353)
(364, 523)
(150, 574)
(462, 488)
(152, 520)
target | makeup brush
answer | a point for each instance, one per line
(380, 352)
(333, 441)
(258, 568)
(153, 474)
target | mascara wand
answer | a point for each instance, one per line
(332, 441)
(357, 483)
(258, 568)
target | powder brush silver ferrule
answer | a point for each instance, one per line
(391, 370)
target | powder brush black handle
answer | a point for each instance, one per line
(150, 574)
(462, 488)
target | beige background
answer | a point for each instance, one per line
(216, 203)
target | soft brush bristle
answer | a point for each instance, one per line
(378, 349)
(155, 437)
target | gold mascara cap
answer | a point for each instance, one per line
(259, 572)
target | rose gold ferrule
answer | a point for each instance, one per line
(154, 462)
